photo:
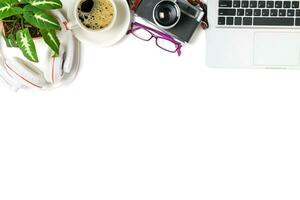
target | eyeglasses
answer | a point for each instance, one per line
(163, 40)
(201, 4)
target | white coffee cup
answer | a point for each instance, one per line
(75, 23)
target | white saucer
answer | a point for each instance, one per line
(110, 37)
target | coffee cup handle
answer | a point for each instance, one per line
(72, 25)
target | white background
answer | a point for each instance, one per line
(139, 123)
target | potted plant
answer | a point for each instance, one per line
(24, 20)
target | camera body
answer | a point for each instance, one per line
(177, 17)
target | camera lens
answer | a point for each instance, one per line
(166, 14)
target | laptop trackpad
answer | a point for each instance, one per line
(277, 49)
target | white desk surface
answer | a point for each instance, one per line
(139, 123)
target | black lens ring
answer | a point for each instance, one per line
(166, 14)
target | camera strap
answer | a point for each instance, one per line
(134, 4)
(203, 6)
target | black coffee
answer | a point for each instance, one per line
(87, 6)
(96, 15)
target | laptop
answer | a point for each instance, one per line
(253, 34)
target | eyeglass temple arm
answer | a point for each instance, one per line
(151, 29)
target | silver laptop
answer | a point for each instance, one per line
(253, 33)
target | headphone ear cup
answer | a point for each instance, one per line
(70, 52)
(28, 76)
(54, 72)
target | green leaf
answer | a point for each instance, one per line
(40, 18)
(51, 39)
(46, 4)
(7, 9)
(20, 1)
(26, 44)
(10, 41)
(12, 2)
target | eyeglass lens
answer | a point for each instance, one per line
(166, 44)
(161, 42)
(142, 34)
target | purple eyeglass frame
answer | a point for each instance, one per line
(160, 35)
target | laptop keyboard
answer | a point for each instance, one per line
(257, 13)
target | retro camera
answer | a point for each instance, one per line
(177, 17)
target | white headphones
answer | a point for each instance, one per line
(32, 76)
(50, 70)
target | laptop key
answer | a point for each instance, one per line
(253, 4)
(227, 12)
(221, 21)
(245, 4)
(261, 4)
(273, 21)
(291, 13)
(237, 4)
(240, 12)
(278, 4)
(295, 4)
(297, 12)
(229, 21)
(287, 4)
(257, 12)
(238, 21)
(225, 3)
(247, 21)
(249, 12)
(274, 12)
(297, 22)
(265, 12)
(282, 12)
(270, 4)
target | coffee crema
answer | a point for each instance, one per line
(99, 17)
